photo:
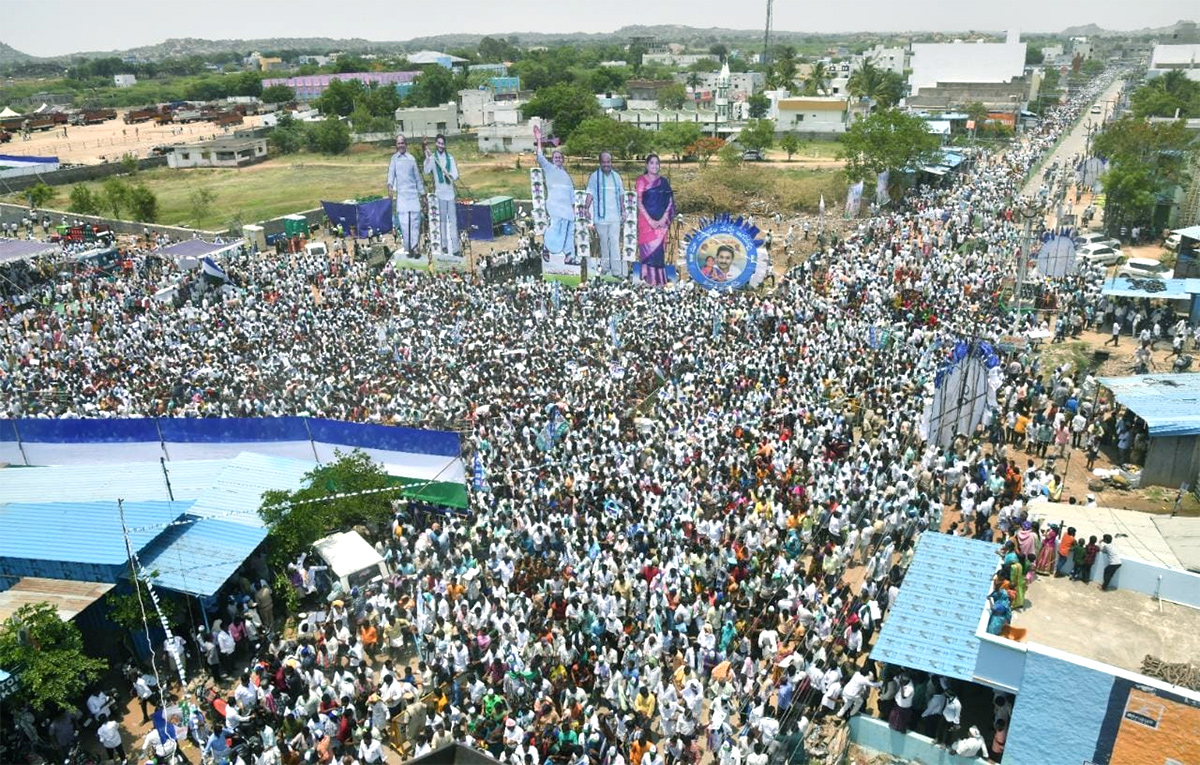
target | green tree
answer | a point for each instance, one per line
(1093, 67)
(1146, 160)
(340, 97)
(597, 134)
(329, 136)
(200, 201)
(434, 87)
(126, 612)
(817, 81)
(1167, 95)
(783, 70)
(758, 135)
(293, 527)
(790, 144)
(40, 194)
(289, 134)
(673, 96)
(47, 653)
(889, 139)
(674, 138)
(977, 112)
(115, 196)
(278, 94)
(759, 106)
(718, 50)
(84, 201)
(143, 204)
(566, 105)
(727, 153)
(247, 84)
(1033, 55)
(880, 88)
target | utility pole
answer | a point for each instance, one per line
(1028, 211)
(766, 56)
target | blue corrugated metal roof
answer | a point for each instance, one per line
(81, 532)
(236, 492)
(1170, 404)
(197, 558)
(931, 626)
(131, 481)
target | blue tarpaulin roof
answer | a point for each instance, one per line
(81, 532)
(1169, 404)
(931, 626)
(198, 555)
(1174, 289)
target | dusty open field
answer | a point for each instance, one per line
(109, 141)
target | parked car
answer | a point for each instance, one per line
(1101, 254)
(1095, 237)
(1172, 242)
(1096, 109)
(1145, 268)
(752, 155)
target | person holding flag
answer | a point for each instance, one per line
(406, 188)
(444, 170)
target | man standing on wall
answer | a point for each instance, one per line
(606, 205)
(444, 170)
(406, 188)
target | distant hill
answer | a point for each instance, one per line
(1092, 30)
(10, 55)
(691, 36)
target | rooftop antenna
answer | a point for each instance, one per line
(766, 55)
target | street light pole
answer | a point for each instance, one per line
(1029, 210)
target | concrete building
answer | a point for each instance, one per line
(710, 122)
(1081, 47)
(675, 59)
(645, 90)
(743, 84)
(124, 80)
(480, 107)
(222, 152)
(1078, 694)
(811, 115)
(426, 122)
(962, 62)
(888, 59)
(1166, 58)
(310, 87)
(509, 139)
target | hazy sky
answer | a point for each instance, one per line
(56, 27)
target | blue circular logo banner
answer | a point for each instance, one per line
(723, 253)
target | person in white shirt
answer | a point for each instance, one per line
(444, 170)
(406, 189)
(369, 750)
(971, 746)
(855, 692)
(606, 206)
(109, 735)
(100, 706)
(163, 747)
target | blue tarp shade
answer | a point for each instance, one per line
(1169, 404)
(931, 626)
(360, 216)
(1175, 289)
(198, 556)
(17, 249)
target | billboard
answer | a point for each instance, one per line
(723, 253)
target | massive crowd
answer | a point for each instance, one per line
(697, 507)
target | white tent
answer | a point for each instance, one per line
(41, 108)
(8, 113)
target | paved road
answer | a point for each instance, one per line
(1076, 141)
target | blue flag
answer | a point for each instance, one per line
(210, 268)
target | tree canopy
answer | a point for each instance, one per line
(597, 134)
(47, 655)
(889, 139)
(1169, 95)
(674, 138)
(757, 135)
(1145, 160)
(567, 105)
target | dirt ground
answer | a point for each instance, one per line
(109, 141)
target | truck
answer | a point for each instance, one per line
(140, 115)
(352, 561)
(229, 118)
(93, 116)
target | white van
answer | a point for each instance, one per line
(316, 248)
(351, 559)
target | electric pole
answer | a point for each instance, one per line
(766, 55)
(1029, 211)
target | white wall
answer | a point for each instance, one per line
(965, 62)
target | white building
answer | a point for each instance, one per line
(480, 108)
(425, 57)
(222, 152)
(675, 59)
(818, 115)
(888, 59)
(124, 80)
(740, 83)
(962, 62)
(509, 139)
(426, 122)
(1082, 47)
(1168, 57)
